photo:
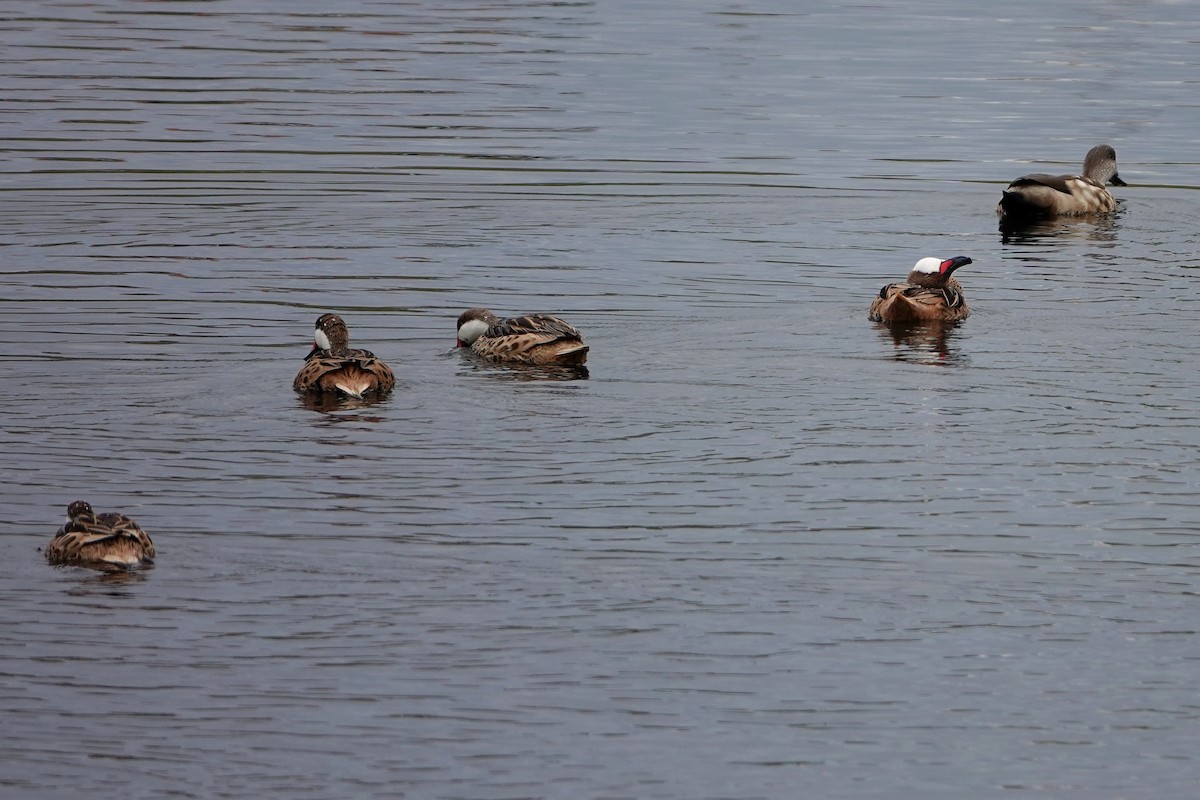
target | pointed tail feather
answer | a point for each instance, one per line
(575, 356)
(353, 390)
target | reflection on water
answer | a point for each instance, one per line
(332, 401)
(927, 342)
(108, 580)
(1094, 227)
(101, 579)
(496, 370)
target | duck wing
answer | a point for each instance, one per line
(532, 339)
(542, 326)
(904, 302)
(1059, 183)
(113, 538)
(325, 370)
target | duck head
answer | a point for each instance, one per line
(330, 333)
(1100, 164)
(935, 271)
(78, 509)
(472, 324)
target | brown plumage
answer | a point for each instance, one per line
(101, 541)
(1039, 195)
(929, 294)
(332, 366)
(531, 339)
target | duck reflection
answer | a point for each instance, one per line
(531, 372)
(114, 582)
(326, 402)
(929, 342)
(1093, 229)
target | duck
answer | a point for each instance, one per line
(332, 366)
(931, 294)
(1038, 195)
(103, 541)
(529, 339)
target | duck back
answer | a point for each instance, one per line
(905, 302)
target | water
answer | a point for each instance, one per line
(765, 545)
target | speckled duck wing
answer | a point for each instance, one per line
(101, 539)
(352, 372)
(903, 302)
(533, 339)
(534, 324)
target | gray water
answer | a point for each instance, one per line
(766, 549)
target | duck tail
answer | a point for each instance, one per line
(574, 357)
(355, 389)
(1015, 205)
(896, 308)
(351, 380)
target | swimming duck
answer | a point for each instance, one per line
(930, 294)
(103, 541)
(1039, 195)
(531, 339)
(332, 366)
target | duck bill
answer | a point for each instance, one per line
(951, 264)
(312, 352)
(1115, 180)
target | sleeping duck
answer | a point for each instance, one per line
(102, 541)
(530, 339)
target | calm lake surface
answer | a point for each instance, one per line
(767, 549)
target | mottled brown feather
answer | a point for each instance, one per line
(528, 339)
(341, 369)
(905, 302)
(931, 293)
(354, 373)
(102, 541)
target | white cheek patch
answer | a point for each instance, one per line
(471, 330)
(320, 339)
(928, 265)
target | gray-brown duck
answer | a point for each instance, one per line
(1037, 196)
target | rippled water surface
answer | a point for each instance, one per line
(765, 549)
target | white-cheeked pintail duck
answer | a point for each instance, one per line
(931, 294)
(332, 366)
(101, 541)
(530, 339)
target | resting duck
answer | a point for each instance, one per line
(1034, 196)
(102, 541)
(531, 339)
(332, 366)
(930, 294)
